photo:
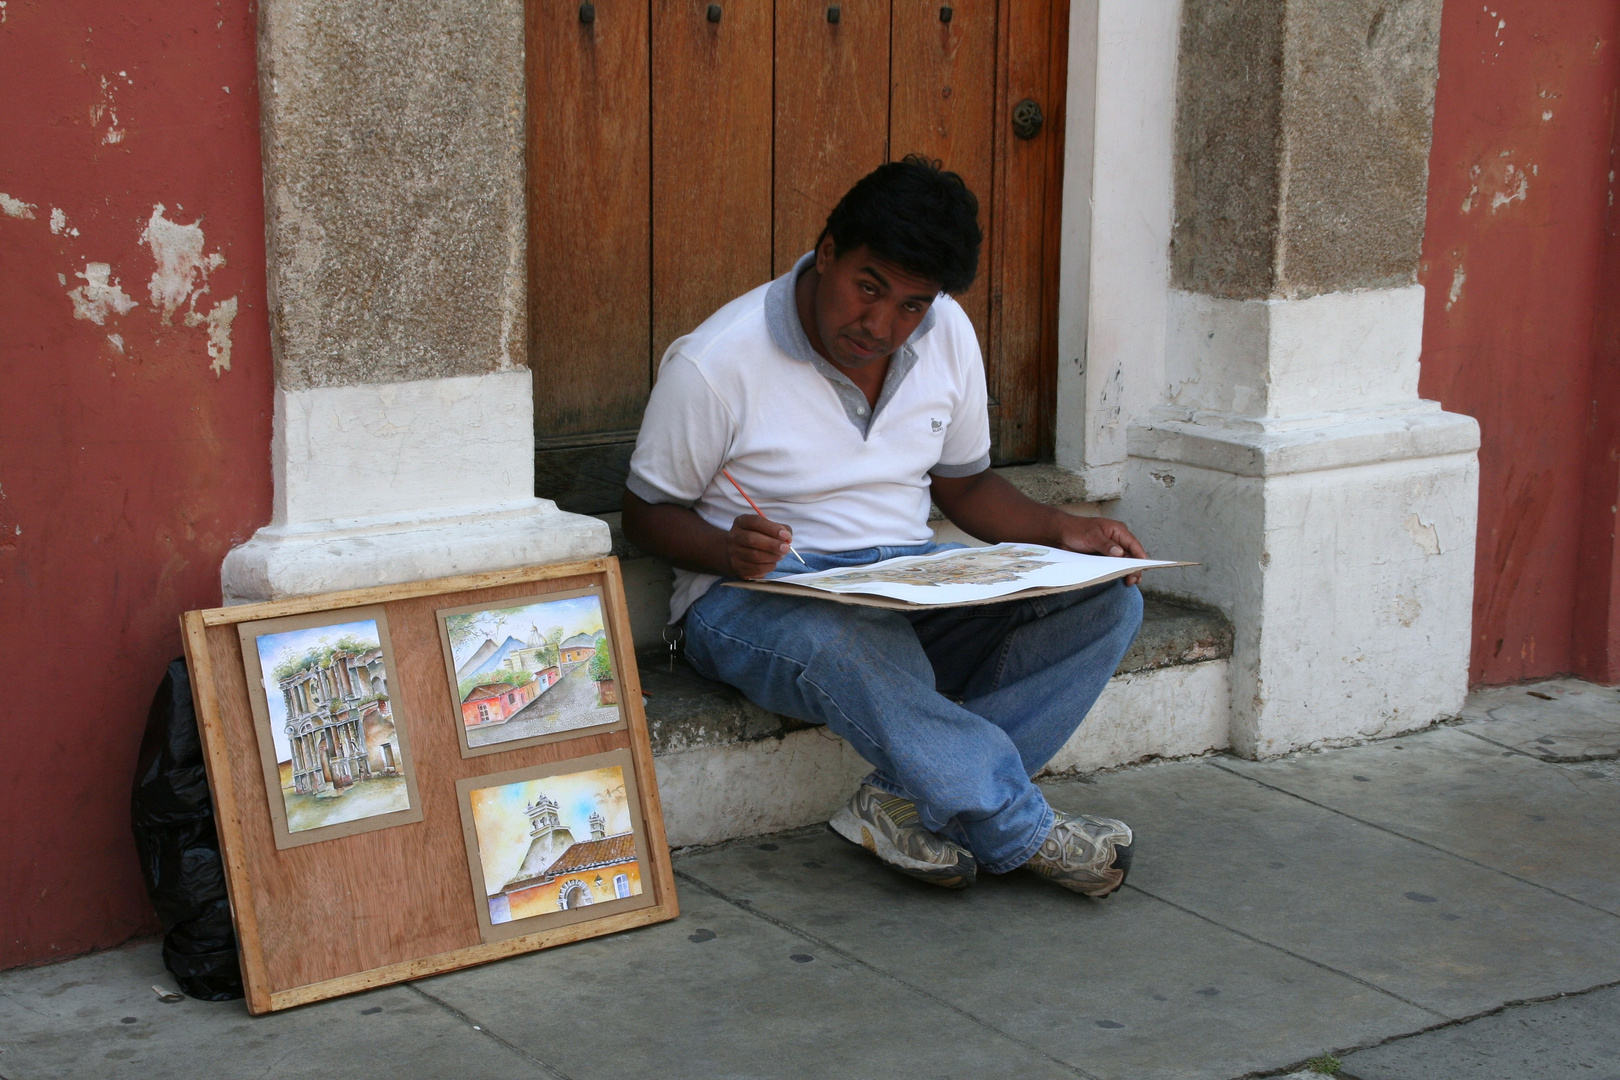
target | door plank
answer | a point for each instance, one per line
(1022, 362)
(832, 112)
(942, 105)
(589, 215)
(711, 160)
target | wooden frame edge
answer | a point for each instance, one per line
(382, 594)
(470, 956)
(652, 803)
(227, 825)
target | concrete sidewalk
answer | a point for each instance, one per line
(1382, 903)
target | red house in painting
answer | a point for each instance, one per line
(494, 703)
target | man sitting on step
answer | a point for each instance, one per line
(843, 396)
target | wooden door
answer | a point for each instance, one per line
(682, 152)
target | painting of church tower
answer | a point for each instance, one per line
(559, 869)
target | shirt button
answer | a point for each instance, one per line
(860, 410)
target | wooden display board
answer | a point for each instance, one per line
(389, 807)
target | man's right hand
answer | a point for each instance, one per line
(750, 549)
(755, 545)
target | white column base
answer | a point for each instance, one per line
(1342, 548)
(378, 484)
(298, 560)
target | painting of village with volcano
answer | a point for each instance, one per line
(527, 672)
(338, 754)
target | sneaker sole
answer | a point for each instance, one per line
(860, 833)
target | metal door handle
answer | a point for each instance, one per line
(1027, 119)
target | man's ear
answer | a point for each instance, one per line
(826, 252)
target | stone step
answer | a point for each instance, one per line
(728, 768)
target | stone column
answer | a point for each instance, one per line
(1332, 509)
(403, 442)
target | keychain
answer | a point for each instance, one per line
(673, 636)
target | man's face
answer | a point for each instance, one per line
(866, 307)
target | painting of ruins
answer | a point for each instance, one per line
(553, 844)
(338, 752)
(530, 670)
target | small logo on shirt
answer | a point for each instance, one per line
(936, 426)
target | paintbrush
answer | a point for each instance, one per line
(758, 511)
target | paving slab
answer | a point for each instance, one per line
(1127, 987)
(721, 993)
(1557, 825)
(1557, 720)
(1437, 930)
(98, 1017)
(1550, 1040)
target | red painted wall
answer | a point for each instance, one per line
(128, 465)
(1518, 200)
(1597, 596)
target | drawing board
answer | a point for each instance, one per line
(960, 576)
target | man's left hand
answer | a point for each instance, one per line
(1101, 536)
(987, 506)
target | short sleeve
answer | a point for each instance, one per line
(685, 435)
(966, 448)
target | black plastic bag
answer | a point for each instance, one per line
(172, 814)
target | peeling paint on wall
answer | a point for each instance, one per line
(16, 207)
(182, 270)
(1459, 274)
(1424, 536)
(1516, 186)
(218, 320)
(180, 279)
(106, 107)
(99, 295)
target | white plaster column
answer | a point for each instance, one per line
(1118, 204)
(1276, 435)
(403, 441)
(1332, 511)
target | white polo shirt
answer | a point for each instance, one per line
(746, 392)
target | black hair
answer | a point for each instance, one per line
(916, 215)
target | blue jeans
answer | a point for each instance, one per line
(1025, 672)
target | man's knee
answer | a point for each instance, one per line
(1129, 608)
(1118, 607)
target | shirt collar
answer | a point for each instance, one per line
(782, 320)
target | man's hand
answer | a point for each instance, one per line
(1101, 536)
(750, 549)
(755, 545)
(987, 506)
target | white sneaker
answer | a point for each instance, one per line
(888, 826)
(1088, 855)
